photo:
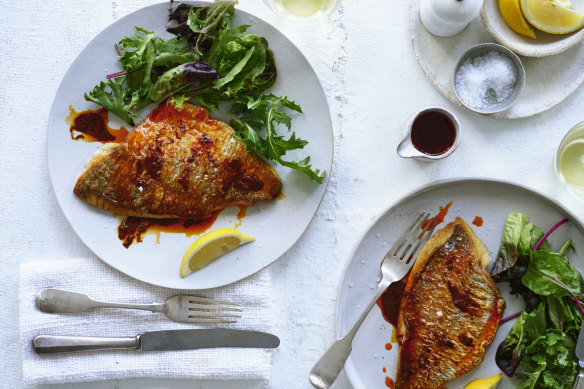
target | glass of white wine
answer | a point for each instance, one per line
(302, 11)
(570, 160)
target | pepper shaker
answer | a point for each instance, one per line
(448, 17)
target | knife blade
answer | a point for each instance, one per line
(579, 382)
(165, 340)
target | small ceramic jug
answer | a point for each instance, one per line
(448, 17)
(406, 148)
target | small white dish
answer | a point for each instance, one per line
(481, 50)
(544, 44)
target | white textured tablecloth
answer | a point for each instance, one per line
(101, 282)
(373, 83)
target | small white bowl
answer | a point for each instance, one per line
(479, 50)
(545, 44)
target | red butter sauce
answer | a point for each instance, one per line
(240, 215)
(478, 221)
(132, 228)
(93, 126)
(390, 300)
(168, 112)
(389, 303)
(439, 217)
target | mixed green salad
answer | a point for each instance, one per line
(210, 62)
(539, 348)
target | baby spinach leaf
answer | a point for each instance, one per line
(550, 274)
(509, 252)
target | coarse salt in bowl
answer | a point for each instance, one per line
(488, 78)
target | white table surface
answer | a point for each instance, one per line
(363, 58)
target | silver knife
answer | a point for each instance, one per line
(579, 382)
(157, 341)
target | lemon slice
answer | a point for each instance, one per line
(485, 383)
(512, 15)
(210, 246)
(549, 16)
(565, 3)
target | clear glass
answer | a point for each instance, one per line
(569, 162)
(302, 11)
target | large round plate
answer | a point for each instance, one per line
(276, 226)
(491, 200)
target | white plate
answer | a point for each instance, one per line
(545, 86)
(491, 200)
(276, 226)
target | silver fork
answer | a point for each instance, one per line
(395, 265)
(186, 309)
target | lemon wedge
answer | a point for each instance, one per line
(209, 247)
(564, 3)
(551, 17)
(485, 383)
(512, 15)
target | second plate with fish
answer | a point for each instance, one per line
(276, 226)
(371, 363)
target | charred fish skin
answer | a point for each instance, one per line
(178, 162)
(450, 310)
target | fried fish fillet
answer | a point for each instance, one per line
(449, 312)
(177, 163)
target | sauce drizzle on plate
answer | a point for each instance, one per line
(132, 228)
(93, 126)
(478, 221)
(390, 300)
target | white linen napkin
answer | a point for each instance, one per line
(101, 282)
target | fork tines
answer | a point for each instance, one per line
(412, 240)
(205, 310)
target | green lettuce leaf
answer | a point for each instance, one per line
(207, 22)
(512, 350)
(549, 361)
(112, 96)
(243, 67)
(540, 346)
(268, 112)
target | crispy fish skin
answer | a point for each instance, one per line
(449, 312)
(177, 163)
